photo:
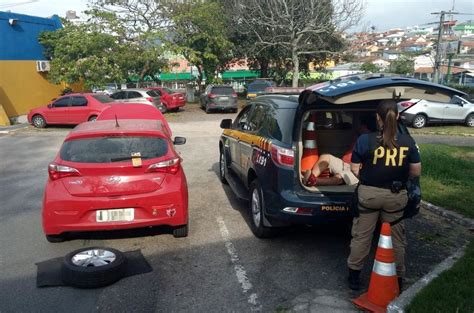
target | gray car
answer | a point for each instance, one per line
(138, 95)
(219, 97)
(418, 113)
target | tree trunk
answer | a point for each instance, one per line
(296, 68)
(141, 78)
(263, 68)
(199, 80)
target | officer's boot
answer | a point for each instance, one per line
(354, 279)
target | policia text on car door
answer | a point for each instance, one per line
(386, 161)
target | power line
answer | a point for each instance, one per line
(14, 4)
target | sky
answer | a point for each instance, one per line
(383, 14)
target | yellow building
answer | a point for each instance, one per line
(23, 68)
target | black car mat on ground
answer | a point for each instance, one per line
(49, 272)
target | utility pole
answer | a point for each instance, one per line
(440, 39)
(438, 44)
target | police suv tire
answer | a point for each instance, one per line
(207, 109)
(470, 120)
(222, 168)
(181, 231)
(256, 207)
(419, 121)
(38, 121)
(93, 276)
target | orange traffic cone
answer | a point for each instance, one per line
(310, 149)
(383, 287)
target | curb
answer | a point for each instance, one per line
(399, 304)
(450, 215)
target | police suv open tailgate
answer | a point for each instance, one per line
(396, 88)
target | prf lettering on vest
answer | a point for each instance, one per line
(390, 155)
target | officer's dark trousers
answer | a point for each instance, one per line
(383, 201)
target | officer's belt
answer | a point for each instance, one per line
(384, 186)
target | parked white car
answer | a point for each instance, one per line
(418, 113)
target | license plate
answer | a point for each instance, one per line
(116, 215)
(224, 98)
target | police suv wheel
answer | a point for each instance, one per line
(256, 213)
(419, 121)
(222, 168)
(93, 267)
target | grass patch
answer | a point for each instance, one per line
(447, 175)
(452, 291)
(444, 130)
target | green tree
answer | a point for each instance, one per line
(299, 29)
(198, 32)
(138, 27)
(369, 67)
(404, 65)
(81, 53)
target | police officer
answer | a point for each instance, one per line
(384, 161)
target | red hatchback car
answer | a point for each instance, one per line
(134, 111)
(73, 109)
(111, 175)
(170, 99)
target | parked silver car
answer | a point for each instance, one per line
(418, 113)
(138, 95)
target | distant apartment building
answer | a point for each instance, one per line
(463, 29)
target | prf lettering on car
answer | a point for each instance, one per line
(391, 156)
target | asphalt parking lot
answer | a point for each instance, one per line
(219, 267)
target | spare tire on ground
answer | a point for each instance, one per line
(93, 267)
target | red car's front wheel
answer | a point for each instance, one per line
(38, 121)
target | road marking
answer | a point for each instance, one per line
(240, 272)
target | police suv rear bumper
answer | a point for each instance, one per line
(289, 207)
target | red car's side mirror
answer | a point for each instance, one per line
(49, 106)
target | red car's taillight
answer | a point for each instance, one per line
(168, 166)
(60, 171)
(234, 95)
(282, 156)
(211, 96)
(406, 104)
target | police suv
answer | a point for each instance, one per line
(264, 151)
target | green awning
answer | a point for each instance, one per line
(240, 74)
(134, 78)
(176, 76)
